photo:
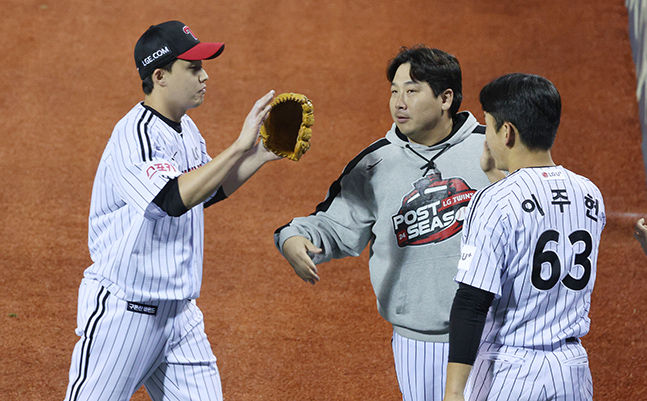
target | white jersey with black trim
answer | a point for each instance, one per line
(532, 239)
(139, 252)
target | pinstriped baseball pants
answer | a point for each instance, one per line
(520, 374)
(120, 350)
(421, 368)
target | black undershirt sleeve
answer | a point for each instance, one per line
(466, 323)
(169, 199)
(220, 195)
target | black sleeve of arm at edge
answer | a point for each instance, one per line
(170, 201)
(466, 323)
(220, 195)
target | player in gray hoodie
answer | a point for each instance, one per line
(405, 195)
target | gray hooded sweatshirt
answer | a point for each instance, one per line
(407, 201)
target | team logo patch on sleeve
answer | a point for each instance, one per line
(433, 212)
(160, 167)
(467, 254)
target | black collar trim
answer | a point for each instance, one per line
(175, 125)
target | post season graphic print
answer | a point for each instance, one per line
(433, 212)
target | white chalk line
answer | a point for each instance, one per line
(627, 215)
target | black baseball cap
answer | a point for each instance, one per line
(170, 40)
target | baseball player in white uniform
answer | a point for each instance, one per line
(528, 260)
(137, 318)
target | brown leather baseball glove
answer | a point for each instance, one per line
(286, 131)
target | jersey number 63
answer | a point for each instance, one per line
(543, 255)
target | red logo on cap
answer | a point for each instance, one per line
(188, 32)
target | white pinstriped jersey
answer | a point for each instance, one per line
(139, 252)
(532, 239)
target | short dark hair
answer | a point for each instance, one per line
(437, 68)
(147, 83)
(530, 102)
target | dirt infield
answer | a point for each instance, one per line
(68, 76)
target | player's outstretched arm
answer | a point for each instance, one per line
(487, 165)
(640, 234)
(197, 185)
(247, 166)
(295, 251)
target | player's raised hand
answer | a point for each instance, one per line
(253, 121)
(640, 234)
(488, 165)
(487, 161)
(295, 251)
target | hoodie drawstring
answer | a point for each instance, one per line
(429, 165)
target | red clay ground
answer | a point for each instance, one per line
(68, 76)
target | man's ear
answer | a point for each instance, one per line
(511, 134)
(159, 77)
(447, 98)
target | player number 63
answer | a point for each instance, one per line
(543, 255)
